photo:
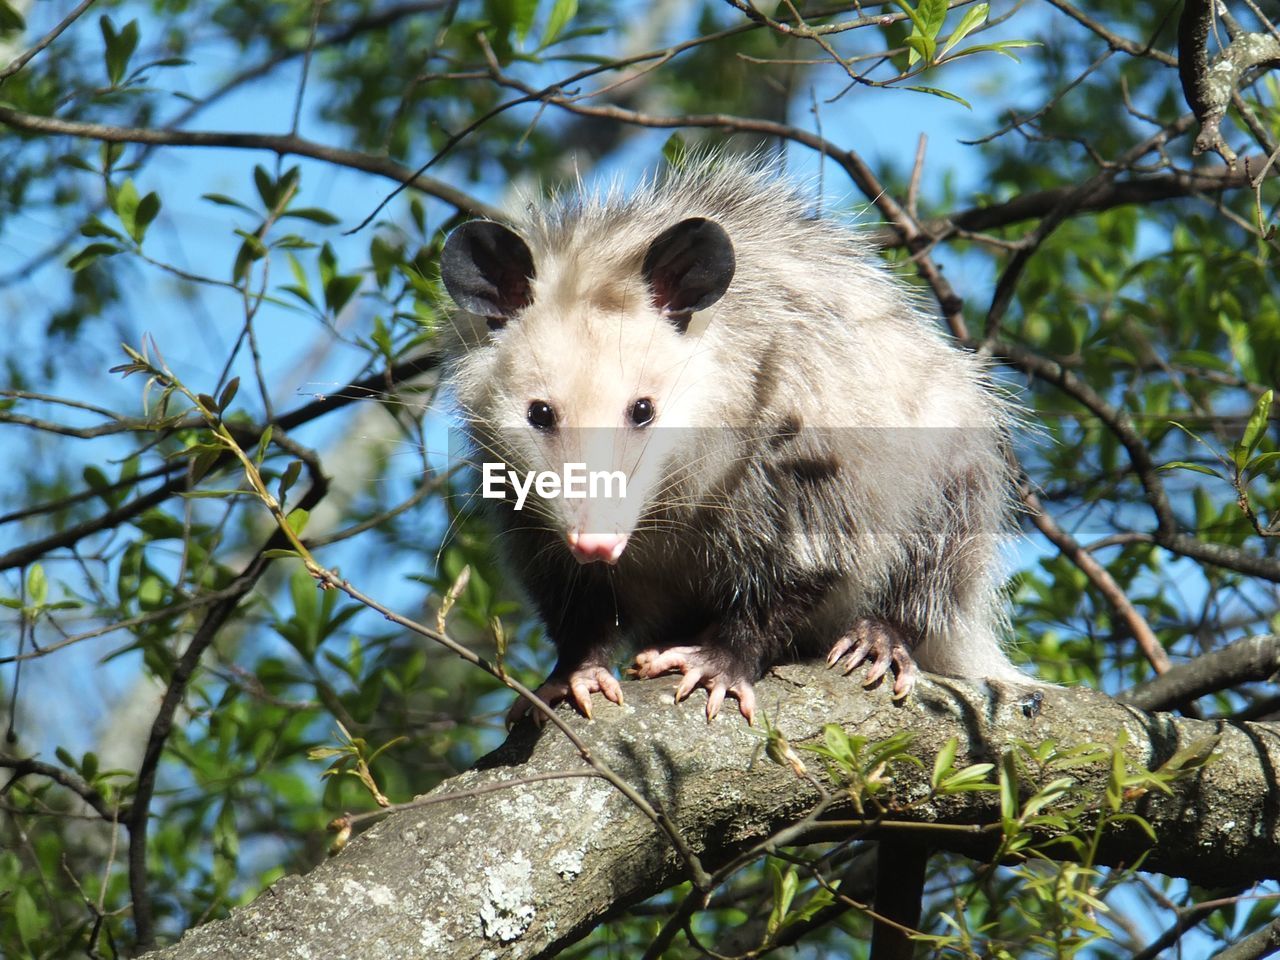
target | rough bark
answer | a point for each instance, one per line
(526, 870)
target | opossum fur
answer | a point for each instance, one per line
(823, 473)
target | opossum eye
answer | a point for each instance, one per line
(642, 412)
(542, 415)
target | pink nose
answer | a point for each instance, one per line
(590, 547)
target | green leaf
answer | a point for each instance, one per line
(295, 267)
(11, 20)
(522, 14)
(1259, 463)
(916, 20)
(291, 241)
(1195, 467)
(287, 186)
(1133, 818)
(339, 291)
(288, 479)
(785, 884)
(226, 837)
(120, 46)
(70, 159)
(328, 263)
(944, 760)
(944, 94)
(972, 779)
(96, 228)
(151, 593)
(91, 253)
(148, 209)
(972, 19)
(1008, 787)
(561, 13)
(1002, 47)
(27, 916)
(264, 442)
(297, 520)
(266, 187)
(1047, 795)
(299, 292)
(926, 20)
(314, 214)
(1254, 429)
(1194, 755)
(250, 251)
(1116, 779)
(37, 586)
(922, 49)
(222, 200)
(124, 201)
(934, 14)
(228, 394)
(675, 151)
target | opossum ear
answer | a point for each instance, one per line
(486, 268)
(688, 267)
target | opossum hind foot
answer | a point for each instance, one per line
(702, 667)
(577, 688)
(885, 645)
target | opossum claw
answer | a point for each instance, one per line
(715, 700)
(887, 648)
(689, 682)
(746, 695)
(700, 668)
(576, 688)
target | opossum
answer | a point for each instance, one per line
(813, 469)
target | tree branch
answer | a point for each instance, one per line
(26, 766)
(527, 873)
(1210, 89)
(368, 388)
(1102, 580)
(23, 59)
(279, 144)
(1251, 659)
(1174, 185)
(175, 692)
(1167, 533)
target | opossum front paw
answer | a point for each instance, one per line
(576, 688)
(885, 646)
(701, 668)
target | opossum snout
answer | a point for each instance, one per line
(590, 547)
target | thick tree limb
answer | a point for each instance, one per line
(525, 872)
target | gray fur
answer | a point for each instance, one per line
(840, 458)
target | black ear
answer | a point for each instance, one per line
(688, 267)
(486, 268)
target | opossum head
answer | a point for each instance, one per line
(581, 358)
